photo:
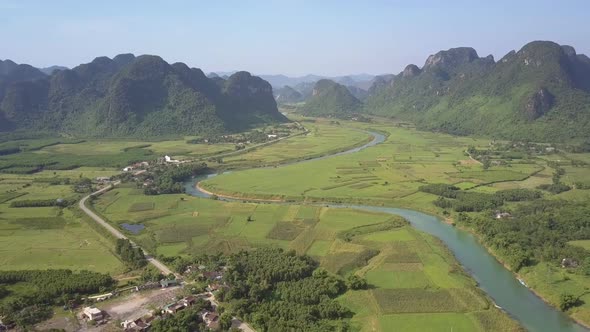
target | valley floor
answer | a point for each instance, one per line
(416, 284)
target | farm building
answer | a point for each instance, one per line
(93, 313)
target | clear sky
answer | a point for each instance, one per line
(296, 37)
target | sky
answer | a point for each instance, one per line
(295, 37)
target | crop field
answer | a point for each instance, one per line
(107, 147)
(50, 237)
(323, 138)
(409, 272)
(383, 174)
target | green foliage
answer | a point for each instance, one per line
(539, 231)
(133, 256)
(555, 188)
(355, 282)
(169, 179)
(467, 201)
(46, 288)
(43, 202)
(279, 291)
(185, 320)
(567, 301)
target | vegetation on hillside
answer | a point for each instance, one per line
(331, 99)
(540, 93)
(141, 96)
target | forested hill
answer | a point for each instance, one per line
(331, 99)
(541, 93)
(131, 96)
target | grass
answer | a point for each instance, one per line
(427, 322)
(50, 237)
(581, 243)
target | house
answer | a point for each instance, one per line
(135, 325)
(569, 263)
(128, 169)
(211, 319)
(103, 179)
(170, 160)
(212, 287)
(188, 301)
(173, 308)
(93, 313)
(212, 275)
(272, 136)
(169, 283)
(502, 215)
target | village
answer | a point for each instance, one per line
(136, 308)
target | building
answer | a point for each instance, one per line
(502, 215)
(128, 169)
(135, 325)
(211, 319)
(169, 283)
(173, 308)
(188, 301)
(272, 136)
(170, 160)
(93, 313)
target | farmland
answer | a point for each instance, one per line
(386, 174)
(395, 259)
(50, 237)
(414, 281)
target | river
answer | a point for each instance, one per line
(492, 277)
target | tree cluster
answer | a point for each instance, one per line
(280, 291)
(46, 288)
(132, 256)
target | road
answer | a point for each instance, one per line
(159, 265)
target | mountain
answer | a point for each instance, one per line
(11, 72)
(50, 70)
(362, 81)
(136, 96)
(288, 95)
(541, 92)
(331, 99)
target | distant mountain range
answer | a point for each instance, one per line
(131, 96)
(541, 93)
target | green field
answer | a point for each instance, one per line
(416, 284)
(323, 138)
(398, 263)
(50, 237)
(388, 173)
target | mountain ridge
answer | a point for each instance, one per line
(136, 96)
(540, 92)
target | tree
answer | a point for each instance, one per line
(355, 282)
(567, 301)
(225, 321)
(586, 266)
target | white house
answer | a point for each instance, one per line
(170, 160)
(93, 313)
(272, 136)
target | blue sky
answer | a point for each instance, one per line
(291, 37)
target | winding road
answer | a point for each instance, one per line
(159, 265)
